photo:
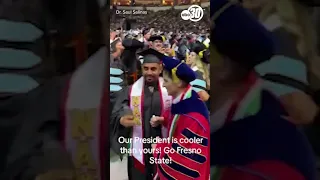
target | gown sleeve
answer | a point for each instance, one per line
(120, 108)
(189, 160)
(36, 148)
(200, 86)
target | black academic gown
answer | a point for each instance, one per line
(151, 107)
(29, 133)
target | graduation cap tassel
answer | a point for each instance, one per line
(201, 54)
(175, 78)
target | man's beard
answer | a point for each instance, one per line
(150, 80)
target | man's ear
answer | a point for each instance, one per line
(161, 68)
(181, 84)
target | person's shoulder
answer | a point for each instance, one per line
(195, 126)
(196, 120)
(199, 74)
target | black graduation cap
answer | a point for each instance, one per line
(182, 51)
(151, 56)
(198, 47)
(201, 50)
(206, 56)
(132, 43)
(155, 37)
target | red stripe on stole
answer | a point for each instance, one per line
(103, 118)
(184, 92)
(136, 163)
(102, 131)
(63, 107)
(161, 100)
(251, 80)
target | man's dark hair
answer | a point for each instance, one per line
(145, 31)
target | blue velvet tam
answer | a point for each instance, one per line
(238, 35)
(177, 68)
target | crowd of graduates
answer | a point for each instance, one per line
(166, 33)
(187, 46)
(165, 20)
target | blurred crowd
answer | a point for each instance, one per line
(188, 46)
(165, 20)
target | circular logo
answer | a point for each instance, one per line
(194, 13)
(185, 15)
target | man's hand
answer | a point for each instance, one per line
(57, 175)
(153, 146)
(156, 121)
(127, 121)
(113, 35)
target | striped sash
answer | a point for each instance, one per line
(84, 124)
(136, 104)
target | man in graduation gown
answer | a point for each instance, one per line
(133, 109)
(130, 60)
(251, 136)
(157, 42)
(188, 119)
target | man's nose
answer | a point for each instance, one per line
(148, 72)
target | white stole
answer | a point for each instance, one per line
(136, 104)
(84, 111)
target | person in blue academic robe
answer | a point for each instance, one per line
(186, 120)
